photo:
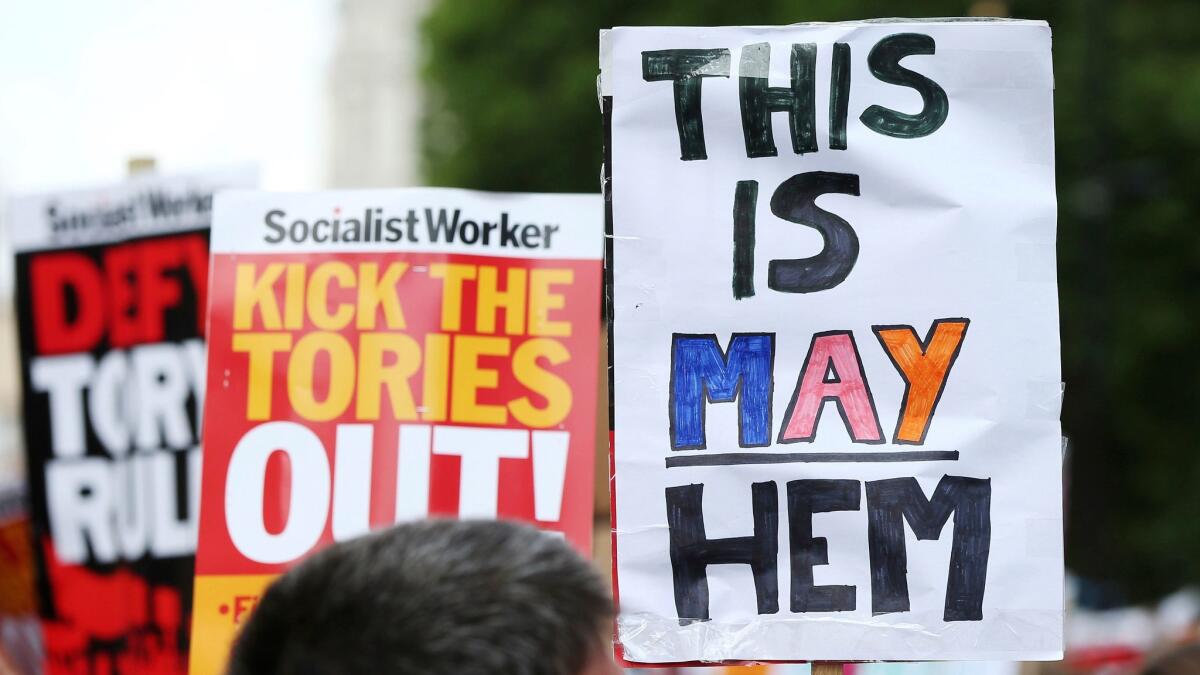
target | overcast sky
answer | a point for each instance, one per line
(197, 84)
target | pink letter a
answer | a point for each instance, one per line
(832, 371)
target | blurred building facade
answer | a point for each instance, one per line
(374, 94)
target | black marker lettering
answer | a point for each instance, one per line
(839, 96)
(745, 201)
(892, 502)
(758, 100)
(692, 552)
(686, 67)
(804, 498)
(884, 62)
(795, 201)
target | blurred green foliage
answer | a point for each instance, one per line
(512, 106)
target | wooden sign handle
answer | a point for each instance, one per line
(827, 668)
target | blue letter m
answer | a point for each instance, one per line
(701, 373)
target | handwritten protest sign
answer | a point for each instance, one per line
(835, 342)
(381, 356)
(110, 289)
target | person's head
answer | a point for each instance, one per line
(438, 597)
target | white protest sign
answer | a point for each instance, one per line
(835, 342)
